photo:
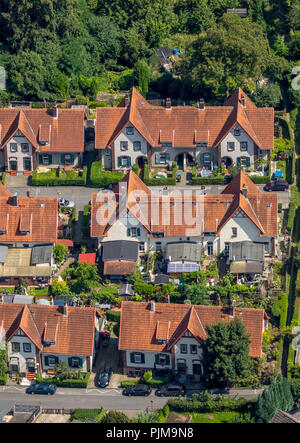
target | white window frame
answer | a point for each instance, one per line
(237, 132)
(13, 147)
(51, 363)
(23, 145)
(142, 246)
(68, 162)
(137, 146)
(206, 159)
(162, 359)
(133, 232)
(123, 145)
(230, 146)
(210, 248)
(25, 345)
(193, 347)
(137, 357)
(45, 159)
(183, 346)
(244, 146)
(129, 130)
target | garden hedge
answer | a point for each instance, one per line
(218, 180)
(91, 414)
(3, 379)
(102, 179)
(113, 316)
(229, 404)
(170, 181)
(258, 180)
(51, 178)
(67, 383)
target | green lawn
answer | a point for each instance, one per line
(215, 417)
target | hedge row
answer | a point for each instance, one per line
(91, 414)
(170, 181)
(229, 404)
(102, 179)
(291, 217)
(3, 379)
(68, 383)
(218, 180)
(113, 316)
(291, 169)
(154, 383)
(259, 180)
(48, 179)
(3, 178)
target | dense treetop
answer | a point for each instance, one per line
(61, 48)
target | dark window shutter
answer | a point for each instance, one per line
(70, 362)
(119, 161)
(128, 232)
(56, 360)
(40, 159)
(156, 359)
(138, 232)
(248, 161)
(238, 161)
(143, 358)
(167, 157)
(72, 159)
(128, 161)
(80, 362)
(167, 359)
(46, 361)
(156, 158)
(132, 357)
(202, 158)
(50, 159)
(62, 159)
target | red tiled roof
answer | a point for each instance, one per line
(185, 125)
(87, 258)
(66, 133)
(151, 209)
(119, 267)
(73, 334)
(138, 324)
(38, 215)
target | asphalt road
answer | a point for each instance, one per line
(82, 195)
(94, 398)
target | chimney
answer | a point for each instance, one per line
(15, 199)
(168, 103)
(55, 110)
(245, 191)
(127, 100)
(65, 309)
(152, 306)
(243, 103)
(201, 104)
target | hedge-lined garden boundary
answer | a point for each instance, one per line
(102, 179)
(67, 383)
(228, 404)
(170, 181)
(53, 178)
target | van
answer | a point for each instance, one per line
(279, 185)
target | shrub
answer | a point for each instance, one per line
(52, 178)
(102, 179)
(67, 383)
(227, 404)
(166, 410)
(85, 414)
(115, 417)
(135, 169)
(258, 180)
(3, 379)
(126, 383)
(147, 376)
(3, 178)
(219, 180)
(113, 316)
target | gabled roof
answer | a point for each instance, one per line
(36, 215)
(158, 213)
(138, 326)
(74, 333)
(185, 125)
(64, 133)
(190, 323)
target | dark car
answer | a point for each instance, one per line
(278, 185)
(104, 377)
(139, 389)
(171, 390)
(41, 388)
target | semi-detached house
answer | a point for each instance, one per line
(40, 137)
(236, 134)
(38, 337)
(167, 337)
(151, 221)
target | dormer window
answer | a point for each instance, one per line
(129, 130)
(3, 231)
(201, 145)
(166, 145)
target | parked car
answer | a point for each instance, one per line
(66, 203)
(278, 185)
(104, 377)
(171, 390)
(41, 388)
(138, 389)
